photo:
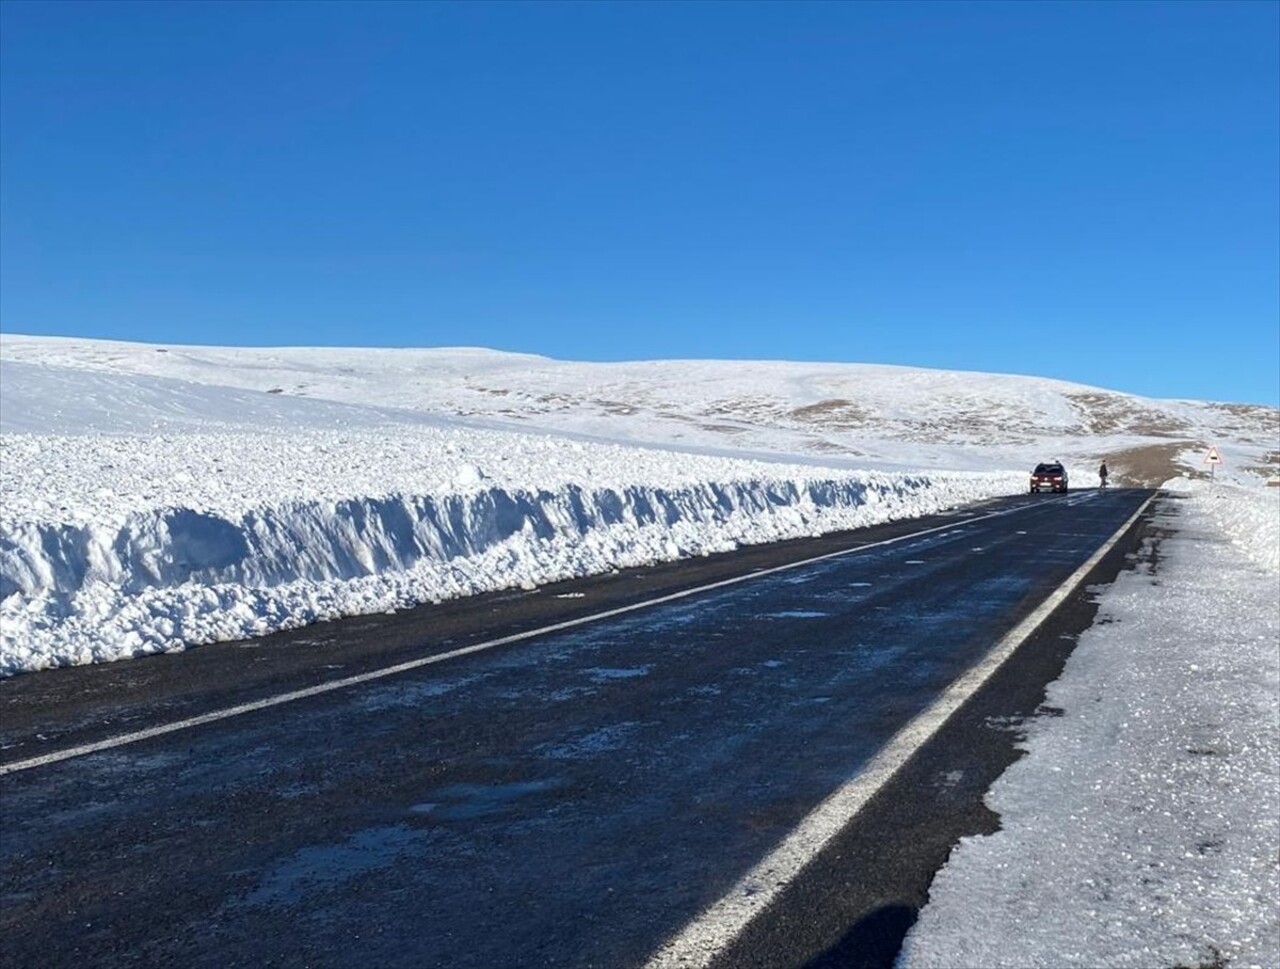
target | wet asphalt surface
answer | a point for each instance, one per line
(569, 800)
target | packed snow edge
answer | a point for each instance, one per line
(163, 578)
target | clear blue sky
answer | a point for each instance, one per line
(1079, 190)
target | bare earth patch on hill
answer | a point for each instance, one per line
(764, 411)
(824, 446)
(960, 426)
(1269, 468)
(1150, 465)
(1111, 414)
(834, 413)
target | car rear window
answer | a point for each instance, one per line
(1048, 469)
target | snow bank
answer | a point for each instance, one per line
(115, 546)
(1141, 828)
(1248, 516)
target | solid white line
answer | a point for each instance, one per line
(275, 701)
(699, 942)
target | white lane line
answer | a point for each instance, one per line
(699, 942)
(275, 701)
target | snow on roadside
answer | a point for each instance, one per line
(1249, 517)
(119, 545)
(1141, 827)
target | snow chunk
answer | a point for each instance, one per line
(468, 476)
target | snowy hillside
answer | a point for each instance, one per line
(852, 415)
(159, 497)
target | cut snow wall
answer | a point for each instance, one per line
(82, 593)
(367, 536)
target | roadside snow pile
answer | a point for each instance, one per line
(1249, 517)
(114, 546)
(1141, 828)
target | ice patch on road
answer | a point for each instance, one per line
(323, 868)
(468, 802)
(599, 741)
(600, 674)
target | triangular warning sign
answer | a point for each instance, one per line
(1213, 457)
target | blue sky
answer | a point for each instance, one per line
(1078, 190)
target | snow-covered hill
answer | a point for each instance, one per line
(157, 497)
(852, 415)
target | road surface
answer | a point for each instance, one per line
(571, 798)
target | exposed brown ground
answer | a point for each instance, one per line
(724, 428)
(1251, 411)
(1269, 468)
(834, 413)
(1150, 465)
(762, 410)
(618, 407)
(1109, 414)
(823, 446)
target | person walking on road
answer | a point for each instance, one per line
(1102, 474)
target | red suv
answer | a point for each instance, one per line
(1049, 476)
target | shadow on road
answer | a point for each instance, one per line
(873, 941)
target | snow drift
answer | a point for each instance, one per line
(115, 546)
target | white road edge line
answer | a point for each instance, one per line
(274, 701)
(699, 942)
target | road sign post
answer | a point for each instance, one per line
(1213, 459)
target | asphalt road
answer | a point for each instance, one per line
(568, 799)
